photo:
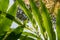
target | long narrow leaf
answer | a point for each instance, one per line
(47, 21)
(26, 11)
(25, 38)
(58, 25)
(29, 34)
(36, 15)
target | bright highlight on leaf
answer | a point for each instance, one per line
(41, 24)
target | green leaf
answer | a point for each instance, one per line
(12, 36)
(4, 5)
(47, 21)
(36, 15)
(23, 7)
(5, 23)
(19, 29)
(15, 34)
(26, 11)
(58, 24)
(29, 34)
(10, 17)
(1, 37)
(25, 38)
(13, 9)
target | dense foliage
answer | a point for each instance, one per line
(41, 26)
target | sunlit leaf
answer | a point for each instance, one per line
(5, 23)
(29, 34)
(47, 21)
(12, 10)
(4, 5)
(25, 38)
(26, 11)
(36, 15)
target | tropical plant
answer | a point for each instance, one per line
(41, 27)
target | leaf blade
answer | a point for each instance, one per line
(4, 5)
(58, 25)
(47, 21)
(5, 23)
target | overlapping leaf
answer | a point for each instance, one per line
(47, 21)
(4, 22)
(25, 38)
(29, 34)
(26, 11)
(37, 15)
(3, 7)
(15, 34)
